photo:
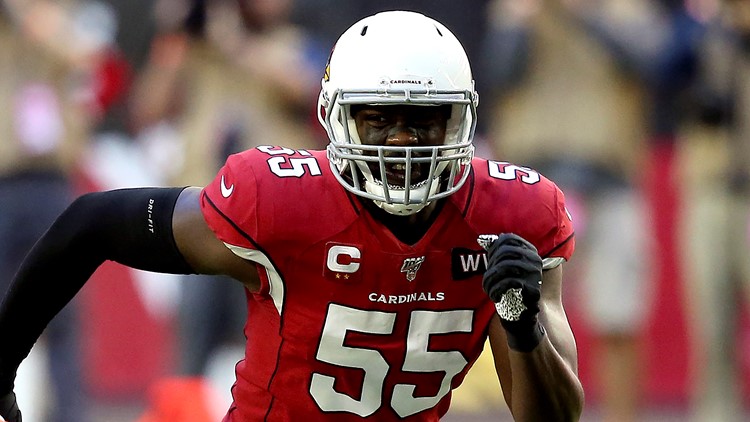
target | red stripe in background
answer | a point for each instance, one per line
(667, 347)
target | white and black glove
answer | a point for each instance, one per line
(513, 281)
(9, 408)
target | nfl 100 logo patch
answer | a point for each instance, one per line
(411, 266)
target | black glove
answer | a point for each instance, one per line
(9, 408)
(513, 281)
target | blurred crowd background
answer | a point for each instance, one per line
(638, 109)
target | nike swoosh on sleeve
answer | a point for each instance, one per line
(226, 191)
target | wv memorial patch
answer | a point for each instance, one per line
(466, 263)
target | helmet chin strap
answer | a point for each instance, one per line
(397, 206)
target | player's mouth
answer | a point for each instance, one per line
(396, 175)
(401, 186)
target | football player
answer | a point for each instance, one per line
(375, 270)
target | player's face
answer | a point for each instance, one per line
(404, 126)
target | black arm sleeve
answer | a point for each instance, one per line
(129, 226)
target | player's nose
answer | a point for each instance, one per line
(402, 135)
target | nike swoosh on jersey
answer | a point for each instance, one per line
(226, 191)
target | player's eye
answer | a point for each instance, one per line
(376, 119)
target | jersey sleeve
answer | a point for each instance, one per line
(229, 202)
(542, 219)
(513, 199)
(559, 244)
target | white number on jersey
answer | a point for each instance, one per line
(507, 171)
(418, 358)
(290, 167)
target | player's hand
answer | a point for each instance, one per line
(9, 408)
(513, 281)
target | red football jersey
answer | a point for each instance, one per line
(350, 322)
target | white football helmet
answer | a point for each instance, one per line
(390, 58)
